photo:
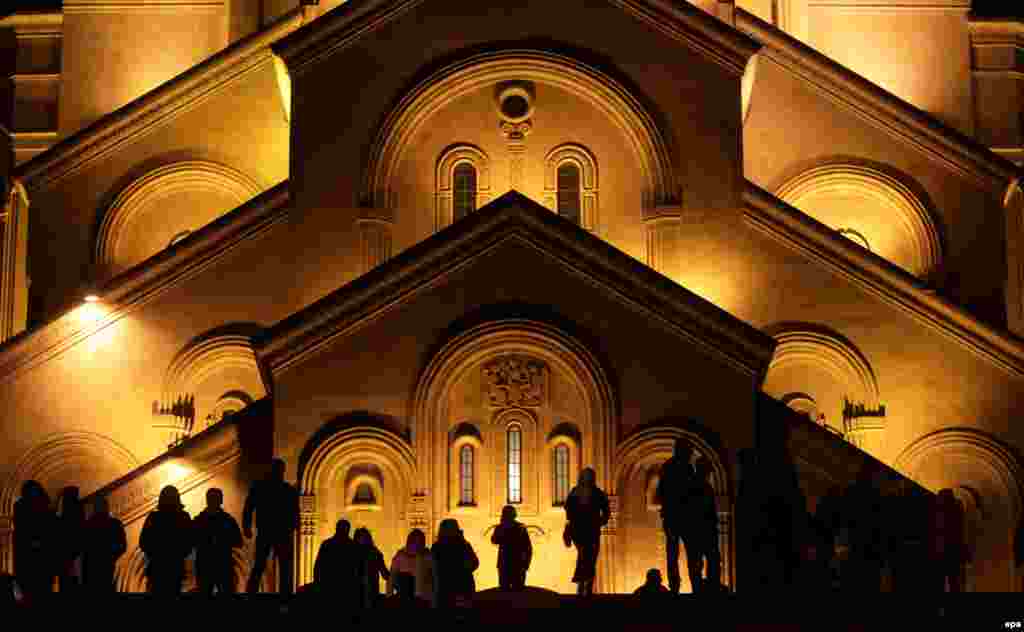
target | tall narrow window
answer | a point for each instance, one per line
(561, 472)
(466, 475)
(515, 462)
(569, 192)
(463, 190)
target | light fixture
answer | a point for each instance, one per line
(92, 298)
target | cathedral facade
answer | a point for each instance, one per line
(440, 256)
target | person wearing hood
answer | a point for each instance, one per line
(217, 535)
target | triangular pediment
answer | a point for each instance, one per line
(358, 19)
(515, 227)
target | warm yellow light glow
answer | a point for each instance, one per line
(90, 313)
(176, 471)
(92, 298)
(284, 86)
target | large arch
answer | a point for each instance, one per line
(218, 370)
(87, 459)
(328, 457)
(577, 371)
(989, 475)
(222, 186)
(606, 94)
(876, 203)
(834, 377)
(637, 461)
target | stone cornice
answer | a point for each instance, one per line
(49, 24)
(1005, 31)
(158, 106)
(880, 278)
(143, 6)
(515, 217)
(187, 466)
(680, 21)
(898, 118)
(146, 281)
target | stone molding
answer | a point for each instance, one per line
(443, 181)
(516, 217)
(660, 182)
(899, 119)
(157, 107)
(827, 351)
(137, 287)
(686, 24)
(879, 278)
(564, 355)
(148, 190)
(581, 157)
(866, 182)
(53, 452)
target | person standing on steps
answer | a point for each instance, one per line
(587, 510)
(276, 504)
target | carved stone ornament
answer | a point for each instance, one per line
(515, 381)
(516, 131)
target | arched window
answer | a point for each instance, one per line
(569, 192)
(514, 462)
(463, 190)
(364, 495)
(561, 473)
(466, 496)
(570, 184)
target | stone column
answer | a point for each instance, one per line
(13, 273)
(1013, 208)
(306, 550)
(6, 545)
(607, 570)
(662, 241)
(374, 242)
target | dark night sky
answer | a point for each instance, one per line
(996, 8)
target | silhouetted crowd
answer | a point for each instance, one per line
(844, 545)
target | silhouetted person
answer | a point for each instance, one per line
(947, 548)
(104, 543)
(704, 530)
(587, 510)
(863, 516)
(828, 518)
(406, 567)
(276, 504)
(909, 516)
(515, 551)
(336, 570)
(454, 562)
(167, 539)
(69, 550)
(35, 531)
(371, 569)
(653, 586)
(677, 485)
(217, 535)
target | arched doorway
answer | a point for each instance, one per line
(641, 540)
(535, 406)
(359, 473)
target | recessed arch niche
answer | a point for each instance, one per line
(817, 370)
(147, 214)
(874, 204)
(483, 71)
(987, 477)
(638, 461)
